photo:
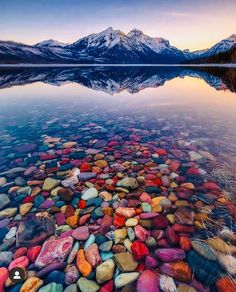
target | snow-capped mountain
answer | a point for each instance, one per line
(50, 43)
(222, 46)
(112, 46)
(133, 47)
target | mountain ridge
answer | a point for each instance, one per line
(113, 46)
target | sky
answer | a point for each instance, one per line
(187, 24)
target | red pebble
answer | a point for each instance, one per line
(47, 157)
(81, 204)
(160, 222)
(20, 252)
(139, 250)
(113, 143)
(140, 268)
(161, 151)
(185, 243)
(192, 171)
(171, 236)
(108, 287)
(119, 221)
(28, 199)
(183, 228)
(85, 167)
(69, 211)
(3, 278)
(162, 243)
(33, 253)
(66, 151)
(153, 183)
(211, 186)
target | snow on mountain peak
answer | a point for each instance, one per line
(232, 37)
(135, 33)
(50, 43)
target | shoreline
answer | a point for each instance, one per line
(114, 65)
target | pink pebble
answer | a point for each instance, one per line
(21, 262)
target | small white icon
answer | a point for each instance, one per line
(17, 276)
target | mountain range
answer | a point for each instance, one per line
(115, 47)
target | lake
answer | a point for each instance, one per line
(171, 129)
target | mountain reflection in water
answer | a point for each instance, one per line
(117, 79)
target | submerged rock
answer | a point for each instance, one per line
(34, 230)
(54, 251)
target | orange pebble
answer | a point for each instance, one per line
(185, 243)
(226, 284)
(84, 267)
(72, 221)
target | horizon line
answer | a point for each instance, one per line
(116, 65)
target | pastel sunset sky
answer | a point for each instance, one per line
(187, 24)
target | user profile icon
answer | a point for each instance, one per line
(17, 275)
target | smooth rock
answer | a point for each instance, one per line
(105, 271)
(178, 270)
(32, 284)
(139, 250)
(204, 249)
(128, 183)
(34, 230)
(125, 262)
(169, 254)
(4, 201)
(3, 277)
(167, 283)
(92, 255)
(50, 183)
(51, 287)
(71, 275)
(53, 251)
(89, 194)
(86, 285)
(81, 233)
(125, 278)
(8, 213)
(83, 265)
(148, 281)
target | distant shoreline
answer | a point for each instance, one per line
(113, 65)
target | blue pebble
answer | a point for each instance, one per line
(65, 167)
(92, 275)
(16, 288)
(99, 239)
(106, 255)
(89, 241)
(3, 233)
(43, 148)
(94, 202)
(56, 277)
(59, 204)
(17, 200)
(38, 201)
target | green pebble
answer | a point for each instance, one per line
(146, 207)
(52, 287)
(86, 285)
